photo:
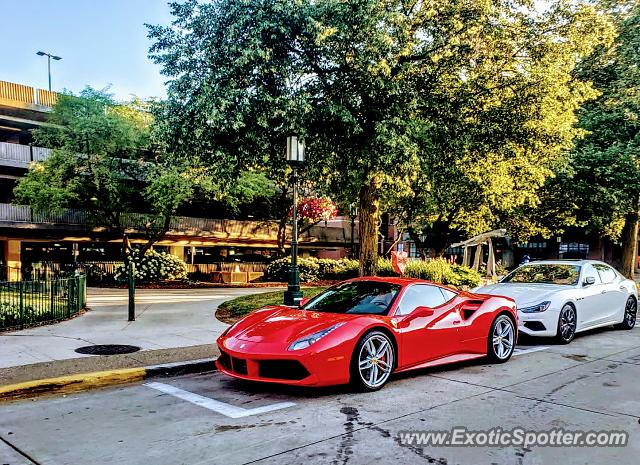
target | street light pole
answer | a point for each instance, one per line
(49, 57)
(130, 268)
(295, 158)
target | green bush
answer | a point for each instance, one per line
(154, 266)
(10, 315)
(312, 269)
(465, 276)
(437, 270)
(343, 268)
(385, 268)
(278, 270)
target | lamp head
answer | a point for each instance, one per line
(295, 151)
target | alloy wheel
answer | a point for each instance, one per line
(503, 337)
(630, 311)
(375, 360)
(567, 324)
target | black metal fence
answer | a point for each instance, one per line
(32, 303)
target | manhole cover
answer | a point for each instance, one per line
(107, 349)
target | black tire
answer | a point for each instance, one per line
(567, 323)
(630, 312)
(501, 341)
(389, 359)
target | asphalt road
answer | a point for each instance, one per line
(591, 384)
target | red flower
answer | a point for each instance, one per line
(316, 209)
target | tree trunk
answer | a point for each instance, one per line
(418, 242)
(630, 244)
(369, 214)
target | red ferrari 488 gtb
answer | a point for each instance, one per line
(362, 330)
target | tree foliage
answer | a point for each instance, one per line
(450, 113)
(102, 161)
(606, 163)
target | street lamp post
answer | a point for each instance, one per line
(295, 158)
(49, 58)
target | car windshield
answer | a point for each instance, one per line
(545, 273)
(363, 297)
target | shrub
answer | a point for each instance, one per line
(385, 268)
(437, 270)
(343, 268)
(465, 276)
(154, 266)
(278, 270)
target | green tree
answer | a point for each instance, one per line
(466, 100)
(606, 163)
(500, 135)
(102, 161)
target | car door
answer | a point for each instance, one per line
(589, 298)
(614, 293)
(427, 335)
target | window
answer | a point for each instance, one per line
(590, 271)
(607, 275)
(544, 273)
(364, 297)
(423, 295)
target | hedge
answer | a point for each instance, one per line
(313, 269)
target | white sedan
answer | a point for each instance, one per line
(558, 298)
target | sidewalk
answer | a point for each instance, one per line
(171, 325)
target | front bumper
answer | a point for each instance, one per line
(542, 324)
(254, 361)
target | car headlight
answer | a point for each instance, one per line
(541, 307)
(306, 341)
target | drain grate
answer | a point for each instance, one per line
(107, 349)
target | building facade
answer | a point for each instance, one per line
(28, 237)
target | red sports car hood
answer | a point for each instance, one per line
(284, 324)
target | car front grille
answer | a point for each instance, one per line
(282, 369)
(224, 360)
(239, 366)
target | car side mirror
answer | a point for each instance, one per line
(303, 301)
(588, 281)
(423, 311)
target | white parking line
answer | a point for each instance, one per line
(518, 351)
(228, 410)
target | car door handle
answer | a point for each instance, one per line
(456, 322)
(622, 288)
(604, 291)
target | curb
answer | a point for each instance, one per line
(85, 381)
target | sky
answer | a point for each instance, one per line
(101, 42)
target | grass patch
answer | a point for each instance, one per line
(234, 309)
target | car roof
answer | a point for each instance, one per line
(566, 262)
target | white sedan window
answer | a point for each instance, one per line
(607, 275)
(590, 271)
